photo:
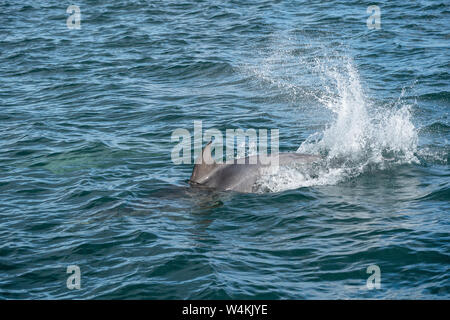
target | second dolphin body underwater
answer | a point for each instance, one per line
(242, 174)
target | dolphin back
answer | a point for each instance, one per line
(241, 174)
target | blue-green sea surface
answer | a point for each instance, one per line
(87, 178)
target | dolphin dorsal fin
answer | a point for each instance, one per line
(204, 164)
(206, 154)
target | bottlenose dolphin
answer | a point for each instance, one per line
(242, 174)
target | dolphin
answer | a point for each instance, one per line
(242, 174)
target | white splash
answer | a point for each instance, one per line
(361, 131)
(361, 136)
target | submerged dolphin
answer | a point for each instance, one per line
(242, 174)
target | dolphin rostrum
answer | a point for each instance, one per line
(242, 174)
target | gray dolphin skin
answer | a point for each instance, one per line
(242, 174)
